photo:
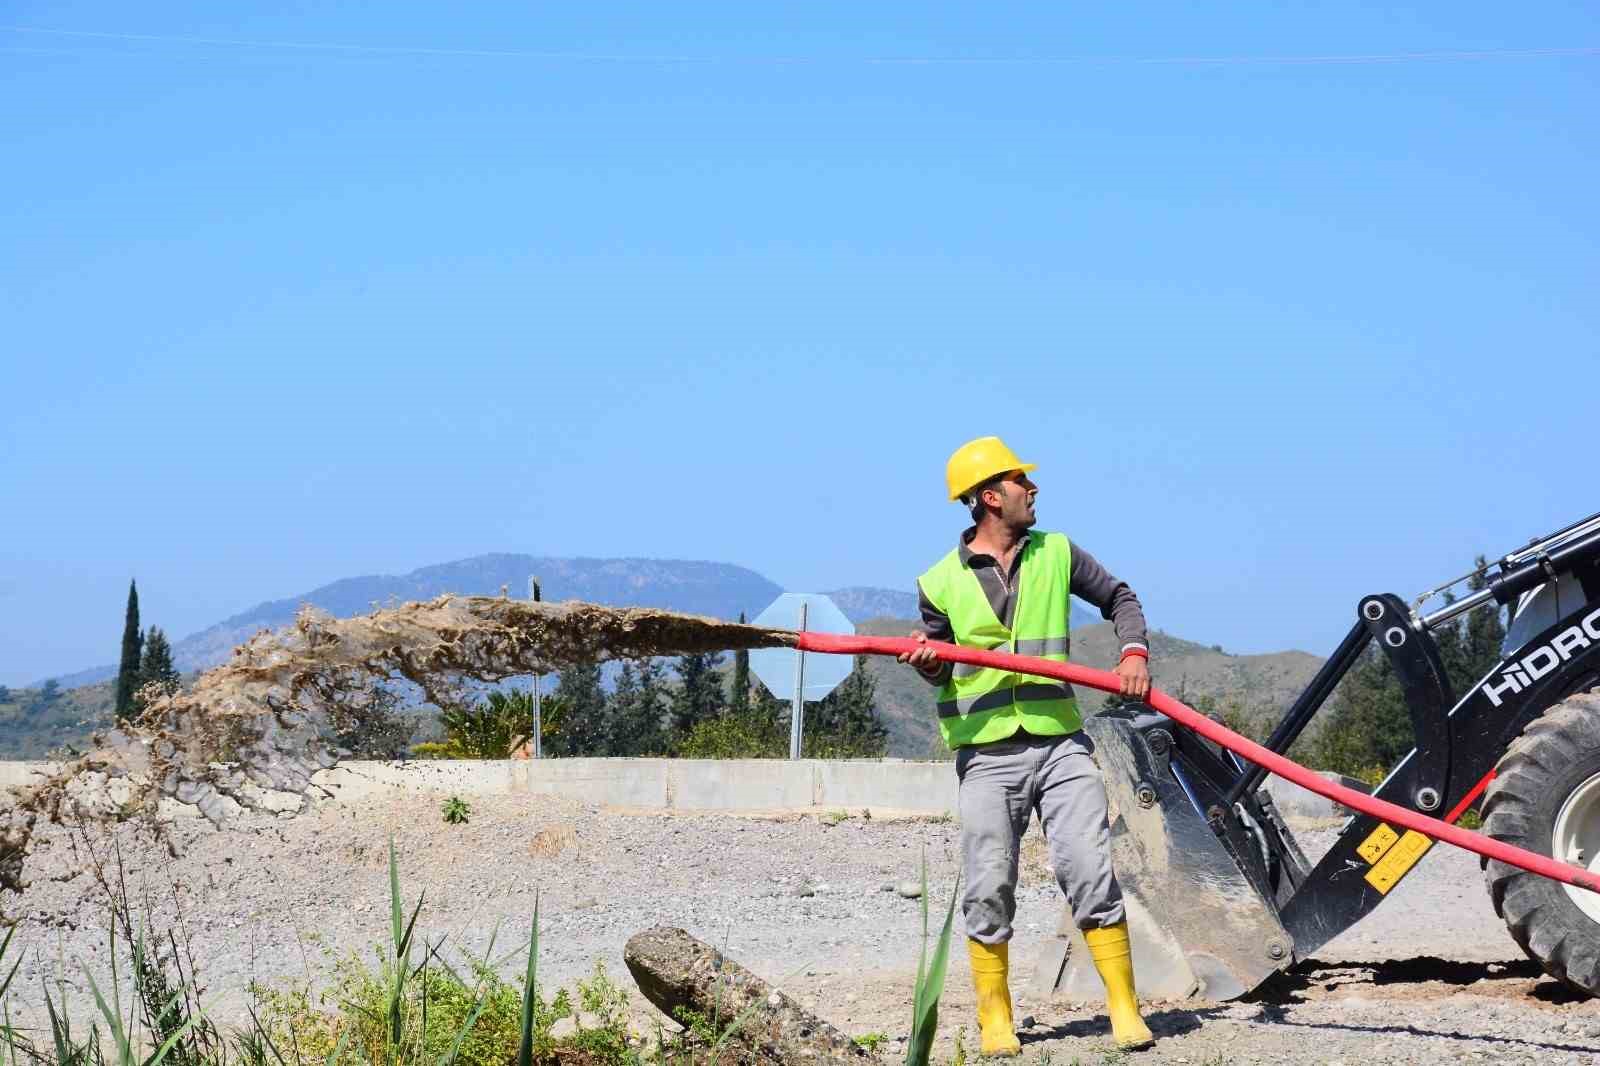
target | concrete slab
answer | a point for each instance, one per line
(740, 784)
(853, 784)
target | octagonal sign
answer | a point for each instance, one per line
(776, 666)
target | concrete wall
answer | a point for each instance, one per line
(888, 785)
(677, 784)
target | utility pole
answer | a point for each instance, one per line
(535, 746)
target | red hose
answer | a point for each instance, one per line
(1533, 862)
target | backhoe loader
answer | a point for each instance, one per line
(1220, 894)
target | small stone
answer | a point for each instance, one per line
(805, 891)
(1027, 1022)
(887, 886)
(909, 889)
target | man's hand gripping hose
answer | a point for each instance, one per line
(1434, 828)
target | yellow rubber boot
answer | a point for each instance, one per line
(1108, 946)
(997, 1037)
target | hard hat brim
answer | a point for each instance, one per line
(1026, 468)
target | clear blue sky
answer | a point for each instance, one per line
(731, 281)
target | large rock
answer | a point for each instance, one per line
(674, 970)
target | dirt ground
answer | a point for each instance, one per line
(806, 901)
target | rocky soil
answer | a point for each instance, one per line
(808, 902)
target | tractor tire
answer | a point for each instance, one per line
(1545, 797)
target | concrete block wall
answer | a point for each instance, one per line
(889, 785)
(886, 785)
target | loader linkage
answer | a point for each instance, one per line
(1217, 886)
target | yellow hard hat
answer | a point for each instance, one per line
(979, 460)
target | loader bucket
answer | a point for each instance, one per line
(1199, 927)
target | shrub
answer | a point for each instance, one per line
(456, 811)
(750, 735)
(492, 729)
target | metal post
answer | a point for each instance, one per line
(797, 716)
(535, 747)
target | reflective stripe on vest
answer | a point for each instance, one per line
(979, 705)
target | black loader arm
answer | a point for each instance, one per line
(1454, 759)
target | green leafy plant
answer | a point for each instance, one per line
(492, 729)
(930, 980)
(456, 811)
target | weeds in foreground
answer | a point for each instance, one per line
(871, 1042)
(409, 1005)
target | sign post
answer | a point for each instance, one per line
(797, 717)
(534, 746)
(787, 670)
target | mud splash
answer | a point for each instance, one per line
(257, 728)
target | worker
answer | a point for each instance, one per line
(1019, 742)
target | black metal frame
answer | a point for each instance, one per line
(1458, 741)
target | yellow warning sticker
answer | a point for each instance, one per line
(1377, 842)
(1402, 857)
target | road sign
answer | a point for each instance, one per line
(792, 673)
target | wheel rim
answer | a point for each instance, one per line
(1576, 839)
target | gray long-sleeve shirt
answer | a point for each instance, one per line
(1090, 582)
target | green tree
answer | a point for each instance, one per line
(638, 707)
(699, 694)
(5, 694)
(155, 665)
(739, 685)
(1369, 725)
(1483, 636)
(844, 724)
(583, 727)
(132, 644)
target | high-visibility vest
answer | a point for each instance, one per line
(978, 704)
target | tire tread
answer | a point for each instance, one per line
(1537, 912)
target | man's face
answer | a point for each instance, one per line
(1014, 495)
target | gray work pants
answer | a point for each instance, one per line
(1002, 785)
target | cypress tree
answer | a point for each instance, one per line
(128, 669)
(739, 691)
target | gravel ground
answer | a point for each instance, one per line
(1430, 976)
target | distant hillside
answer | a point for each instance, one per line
(39, 722)
(717, 589)
(861, 604)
